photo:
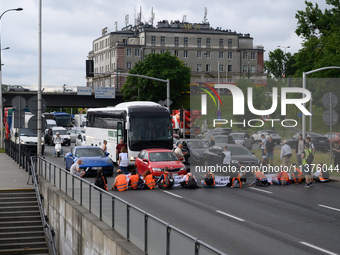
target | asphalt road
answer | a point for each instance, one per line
(251, 220)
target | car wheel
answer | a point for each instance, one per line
(252, 140)
(69, 144)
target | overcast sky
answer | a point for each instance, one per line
(70, 26)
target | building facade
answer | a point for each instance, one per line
(214, 55)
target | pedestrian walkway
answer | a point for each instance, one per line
(12, 177)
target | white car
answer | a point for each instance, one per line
(81, 139)
(242, 139)
(269, 133)
(74, 132)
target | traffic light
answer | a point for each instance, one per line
(89, 68)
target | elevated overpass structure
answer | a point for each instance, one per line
(69, 99)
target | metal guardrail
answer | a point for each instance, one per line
(150, 234)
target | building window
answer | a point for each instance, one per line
(245, 55)
(252, 69)
(230, 68)
(128, 65)
(153, 39)
(245, 68)
(153, 51)
(136, 52)
(176, 40)
(199, 67)
(221, 42)
(207, 54)
(220, 54)
(252, 55)
(220, 68)
(199, 54)
(208, 41)
(207, 67)
(186, 65)
(185, 54)
(199, 41)
(230, 55)
(128, 52)
(162, 51)
(230, 42)
(162, 40)
(186, 41)
(176, 53)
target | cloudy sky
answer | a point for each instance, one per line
(70, 26)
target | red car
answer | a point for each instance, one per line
(156, 159)
(335, 136)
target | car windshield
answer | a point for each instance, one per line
(163, 156)
(198, 144)
(90, 152)
(61, 132)
(26, 132)
(238, 150)
(237, 136)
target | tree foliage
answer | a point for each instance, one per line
(278, 60)
(162, 66)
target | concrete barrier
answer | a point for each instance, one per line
(77, 230)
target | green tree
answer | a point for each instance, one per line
(162, 66)
(278, 60)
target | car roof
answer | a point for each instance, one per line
(86, 147)
(58, 128)
(157, 150)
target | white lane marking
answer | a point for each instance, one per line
(328, 207)
(229, 215)
(172, 194)
(262, 190)
(318, 248)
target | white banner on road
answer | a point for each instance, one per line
(220, 181)
(84, 91)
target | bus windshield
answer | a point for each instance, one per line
(63, 120)
(150, 130)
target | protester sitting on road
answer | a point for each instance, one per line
(120, 182)
(166, 181)
(100, 180)
(188, 181)
(237, 176)
(296, 175)
(149, 180)
(209, 180)
(75, 169)
(282, 178)
(260, 178)
(134, 178)
(321, 175)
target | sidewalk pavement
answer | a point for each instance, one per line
(12, 177)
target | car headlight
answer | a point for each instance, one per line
(132, 158)
(195, 153)
(157, 169)
(22, 141)
(234, 161)
(109, 161)
(182, 168)
(42, 143)
(69, 137)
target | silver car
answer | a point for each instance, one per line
(242, 139)
(74, 132)
(17, 88)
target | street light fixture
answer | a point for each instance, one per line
(284, 64)
(1, 110)
(218, 76)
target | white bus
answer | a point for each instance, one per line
(141, 124)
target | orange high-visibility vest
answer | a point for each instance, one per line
(150, 181)
(121, 183)
(285, 176)
(134, 181)
(260, 175)
(298, 176)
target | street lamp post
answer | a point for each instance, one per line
(1, 110)
(284, 64)
(218, 77)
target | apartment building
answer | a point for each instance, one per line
(213, 54)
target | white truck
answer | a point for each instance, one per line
(24, 136)
(80, 120)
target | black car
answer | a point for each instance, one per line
(195, 150)
(320, 141)
(214, 156)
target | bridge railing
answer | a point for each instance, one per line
(150, 234)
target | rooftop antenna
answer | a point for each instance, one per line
(116, 26)
(126, 20)
(184, 19)
(152, 17)
(139, 17)
(205, 15)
